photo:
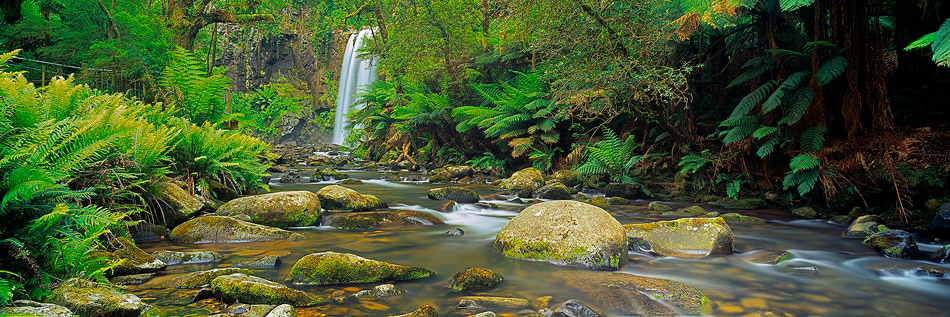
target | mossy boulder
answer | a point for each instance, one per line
(564, 232)
(770, 257)
(282, 210)
(634, 295)
(380, 220)
(567, 177)
(658, 206)
(202, 278)
(898, 244)
(524, 182)
(339, 198)
(177, 204)
(135, 279)
(942, 255)
(450, 173)
(178, 257)
(864, 227)
(249, 289)
(806, 212)
(31, 308)
(331, 268)
(743, 204)
(423, 311)
(351, 181)
(496, 302)
(220, 229)
(686, 237)
(267, 262)
(380, 291)
(625, 190)
(474, 278)
(554, 191)
(600, 202)
(86, 298)
(691, 211)
(132, 260)
(618, 201)
(327, 174)
(737, 218)
(458, 194)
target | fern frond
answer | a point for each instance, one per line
(768, 146)
(798, 106)
(779, 96)
(803, 162)
(752, 99)
(813, 138)
(941, 45)
(830, 70)
(792, 5)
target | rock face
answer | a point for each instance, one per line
(524, 182)
(554, 191)
(180, 204)
(381, 220)
(940, 224)
(339, 198)
(458, 194)
(863, 227)
(219, 229)
(176, 257)
(893, 243)
(248, 289)
(282, 210)
(633, 295)
(201, 278)
(87, 298)
(31, 308)
(331, 268)
(686, 237)
(474, 278)
(565, 232)
(135, 261)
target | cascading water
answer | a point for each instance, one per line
(355, 73)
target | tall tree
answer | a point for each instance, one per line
(185, 18)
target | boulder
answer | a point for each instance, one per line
(633, 295)
(339, 198)
(863, 227)
(600, 202)
(249, 289)
(278, 169)
(351, 181)
(327, 174)
(942, 255)
(940, 224)
(457, 232)
(524, 182)
(686, 237)
(245, 310)
(806, 212)
(86, 298)
(567, 177)
(658, 206)
(554, 191)
(132, 260)
(380, 291)
(574, 308)
(219, 229)
(267, 262)
(691, 211)
(381, 220)
(282, 210)
(202, 278)
(315, 160)
(31, 308)
(618, 201)
(450, 173)
(893, 244)
(497, 302)
(284, 310)
(737, 218)
(177, 257)
(331, 268)
(625, 190)
(458, 194)
(744, 204)
(178, 204)
(564, 232)
(474, 278)
(423, 311)
(135, 279)
(771, 257)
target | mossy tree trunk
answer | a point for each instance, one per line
(185, 18)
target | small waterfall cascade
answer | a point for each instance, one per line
(355, 73)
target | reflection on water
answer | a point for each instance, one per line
(827, 276)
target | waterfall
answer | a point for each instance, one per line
(355, 73)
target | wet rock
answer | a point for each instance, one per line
(203, 294)
(449, 206)
(542, 302)
(282, 210)
(942, 255)
(31, 308)
(132, 260)
(86, 298)
(202, 278)
(567, 177)
(474, 278)
(290, 179)
(245, 310)
(485, 205)
(458, 194)
(278, 169)
(381, 220)
(351, 181)
(625, 190)
(596, 239)
(148, 232)
(893, 244)
(497, 302)
(618, 201)
(495, 197)
(524, 182)
(637, 295)
(177, 257)
(327, 174)
(743, 204)
(554, 191)
(177, 204)
(455, 232)
(691, 211)
(450, 173)
(771, 257)
(284, 310)
(686, 237)
(485, 314)
(806, 212)
(940, 224)
(574, 308)
(315, 160)
(136, 279)
(249, 289)
(225, 192)
(331, 268)
(220, 229)
(658, 206)
(267, 262)
(841, 219)
(910, 269)
(380, 291)
(600, 202)
(423, 311)
(339, 198)
(863, 227)
(737, 218)
(639, 245)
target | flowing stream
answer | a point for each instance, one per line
(828, 275)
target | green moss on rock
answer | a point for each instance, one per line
(567, 177)
(180, 205)
(634, 295)
(743, 204)
(474, 278)
(201, 278)
(282, 210)
(554, 190)
(330, 268)
(220, 229)
(893, 244)
(806, 212)
(177, 257)
(248, 289)
(691, 211)
(458, 194)
(600, 202)
(132, 260)
(524, 182)
(686, 237)
(339, 198)
(31, 308)
(658, 206)
(423, 311)
(87, 298)
(737, 218)
(381, 220)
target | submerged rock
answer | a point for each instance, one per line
(201, 278)
(474, 278)
(351, 181)
(31, 308)
(423, 311)
(893, 244)
(86, 298)
(806, 212)
(267, 262)
(331, 268)
(554, 191)
(686, 237)
(282, 210)
(220, 229)
(637, 295)
(863, 227)
(249, 289)
(381, 220)
(496, 302)
(771, 257)
(177, 257)
(339, 198)
(457, 232)
(524, 182)
(179, 205)
(380, 291)
(737, 218)
(540, 233)
(744, 204)
(457, 194)
(658, 206)
(574, 308)
(132, 260)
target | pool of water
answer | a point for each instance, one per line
(828, 275)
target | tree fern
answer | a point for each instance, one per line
(830, 70)
(779, 95)
(813, 138)
(752, 99)
(611, 156)
(791, 5)
(939, 43)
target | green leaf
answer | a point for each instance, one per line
(767, 147)
(941, 45)
(804, 162)
(923, 41)
(752, 99)
(763, 131)
(779, 96)
(813, 138)
(791, 5)
(830, 70)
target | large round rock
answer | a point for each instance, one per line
(282, 210)
(341, 199)
(565, 232)
(219, 229)
(685, 237)
(331, 268)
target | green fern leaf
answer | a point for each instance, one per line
(763, 131)
(923, 41)
(798, 106)
(768, 146)
(813, 138)
(779, 96)
(740, 131)
(830, 70)
(752, 99)
(791, 5)
(803, 162)
(941, 45)
(752, 73)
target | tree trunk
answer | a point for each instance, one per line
(185, 20)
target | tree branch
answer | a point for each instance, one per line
(603, 23)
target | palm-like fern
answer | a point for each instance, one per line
(939, 43)
(187, 87)
(613, 157)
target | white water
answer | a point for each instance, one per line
(355, 73)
